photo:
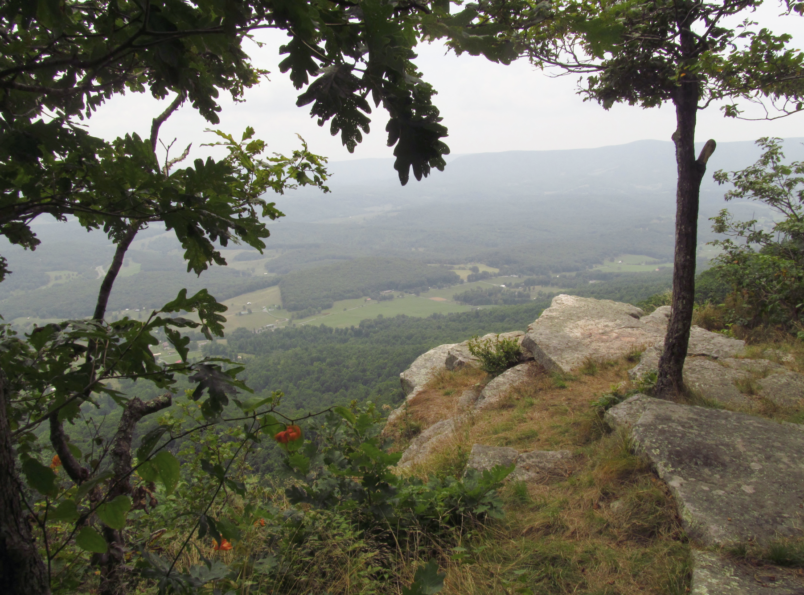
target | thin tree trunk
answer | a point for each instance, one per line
(22, 571)
(113, 563)
(690, 173)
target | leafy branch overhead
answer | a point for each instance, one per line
(62, 61)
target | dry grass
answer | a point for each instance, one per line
(437, 401)
(611, 527)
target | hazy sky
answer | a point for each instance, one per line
(486, 107)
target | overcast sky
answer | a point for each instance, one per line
(487, 108)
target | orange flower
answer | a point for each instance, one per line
(294, 432)
(55, 463)
(289, 434)
(224, 545)
(260, 522)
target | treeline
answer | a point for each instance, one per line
(320, 287)
(492, 296)
(147, 289)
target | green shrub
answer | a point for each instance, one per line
(495, 355)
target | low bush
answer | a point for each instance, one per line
(495, 355)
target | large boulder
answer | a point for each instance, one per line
(575, 329)
(735, 477)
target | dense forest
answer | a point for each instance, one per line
(320, 287)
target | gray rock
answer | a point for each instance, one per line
(498, 388)
(715, 381)
(484, 458)
(423, 445)
(718, 380)
(658, 318)
(468, 398)
(424, 368)
(735, 477)
(703, 343)
(541, 465)
(784, 388)
(709, 344)
(574, 329)
(459, 357)
(624, 415)
(714, 574)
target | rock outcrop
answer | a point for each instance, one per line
(735, 477)
(575, 329)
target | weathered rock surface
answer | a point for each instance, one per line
(460, 356)
(469, 397)
(484, 458)
(735, 477)
(498, 388)
(575, 329)
(425, 443)
(720, 380)
(531, 467)
(714, 574)
(784, 388)
(424, 368)
(624, 415)
(541, 465)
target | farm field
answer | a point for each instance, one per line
(631, 263)
(464, 271)
(347, 313)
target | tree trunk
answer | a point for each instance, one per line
(22, 571)
(690, 173)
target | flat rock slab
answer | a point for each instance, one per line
(727, 380)
(531, 467)
(713, 574)
(575, 329)
(497, 389)
(735, 477)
